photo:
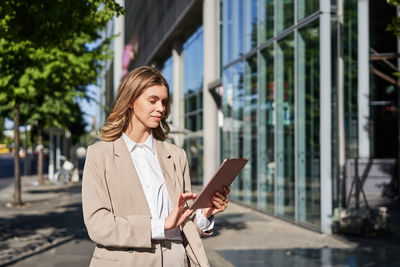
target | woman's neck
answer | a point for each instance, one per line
(139, 134)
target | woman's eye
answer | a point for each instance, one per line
(152, 101)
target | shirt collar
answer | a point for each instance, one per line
(149, 143)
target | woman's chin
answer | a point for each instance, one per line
(153, 125)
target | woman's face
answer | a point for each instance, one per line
(149, 107)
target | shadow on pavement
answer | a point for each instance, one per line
(47, 222)
(70, 189)
(235, 221)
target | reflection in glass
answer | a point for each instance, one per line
(266, 20)
(334, 112)
(285, 127)
(193, 102)
(285, 14)
(306, 8)
(350, 54)
(227, 31)
(237, 29)
(237, 125)
(267, 130)
(194, 151)
(167, 71)
(193, 63)
(308, 125)
(250, 131)
(250, 25)
(227, 102)
(193, 80)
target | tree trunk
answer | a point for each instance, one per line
(40, 155)
(17, 173)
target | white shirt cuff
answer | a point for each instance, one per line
(157, 229)
(204, 223)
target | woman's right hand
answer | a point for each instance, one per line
(177, 216)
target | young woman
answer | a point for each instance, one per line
(136, 187)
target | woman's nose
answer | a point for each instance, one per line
(160, 107)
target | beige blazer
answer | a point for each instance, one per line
(115, 209)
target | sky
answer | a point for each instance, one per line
(92, 108)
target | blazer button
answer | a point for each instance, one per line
(130, 250)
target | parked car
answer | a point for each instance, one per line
(4, 149)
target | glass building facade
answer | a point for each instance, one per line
(271, 105)
(295, 92)
(168, 71)
(193, 103)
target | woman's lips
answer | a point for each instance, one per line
(157, 118)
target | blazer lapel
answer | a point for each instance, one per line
(166, 160)
(127, 171)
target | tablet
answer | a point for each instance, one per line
(224, 176)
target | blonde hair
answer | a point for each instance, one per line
(132, 86)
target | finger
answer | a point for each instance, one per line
(220, 196)
(184, 198)
(226, 191)
(189, 195)
(219, 200)
(221, 203)
(217, 205)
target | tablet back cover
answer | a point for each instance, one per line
(224, 176)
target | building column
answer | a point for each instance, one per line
(363, 80)
(178, 112)
(119, 29)
(210, 109)
(325, 115)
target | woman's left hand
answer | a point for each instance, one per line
(220, 202)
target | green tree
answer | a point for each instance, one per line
(45, 63)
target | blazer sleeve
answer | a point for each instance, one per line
(103, 226)
(188, 188)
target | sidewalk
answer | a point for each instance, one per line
(51, 217)
(49, 231)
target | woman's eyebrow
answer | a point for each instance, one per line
(157, 97)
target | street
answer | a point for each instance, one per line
(7, 165)
(7, 168)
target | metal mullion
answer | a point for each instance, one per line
(258, 173)
(295, 106)
(275, 114)
(325, 117)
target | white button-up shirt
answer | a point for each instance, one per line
(144, 158)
